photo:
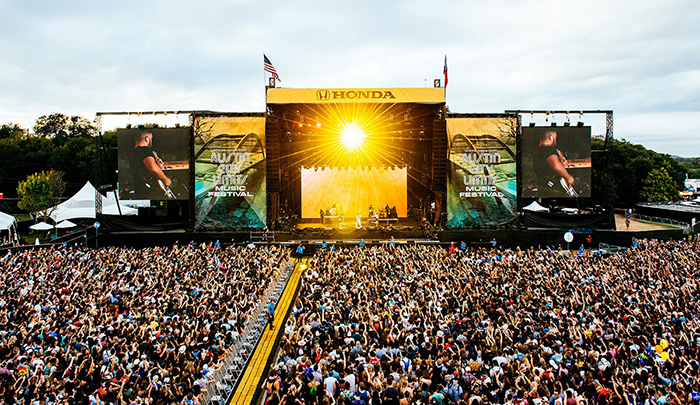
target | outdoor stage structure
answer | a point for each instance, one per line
(328, 155)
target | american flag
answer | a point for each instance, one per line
(269, 68)
(444, 70)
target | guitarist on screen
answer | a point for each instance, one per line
(146, 168)
(550, 165)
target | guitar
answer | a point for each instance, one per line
(568, 188)
(166, 190)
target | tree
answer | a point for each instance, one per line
(11, 131)
(40, 192)
(659, 186)
(60, 127)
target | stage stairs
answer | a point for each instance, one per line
(262, 235)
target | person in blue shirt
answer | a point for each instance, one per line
(300, 252)
(362, 242)
(271, 314)
(463, 245)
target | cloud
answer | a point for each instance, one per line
(636, 58)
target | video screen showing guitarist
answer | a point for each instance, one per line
(147, 168)
(153, 164)
(552, 174)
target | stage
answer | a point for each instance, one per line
(332, 229)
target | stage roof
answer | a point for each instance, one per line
(420, 95)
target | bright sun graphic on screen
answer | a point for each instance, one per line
(352, 136)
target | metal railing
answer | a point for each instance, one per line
(666, 221)
(605, 248)
(222, 381)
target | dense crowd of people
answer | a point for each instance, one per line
(421, 324)
(124, 326)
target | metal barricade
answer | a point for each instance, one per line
(222, 381)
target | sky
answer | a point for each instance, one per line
(640, 59)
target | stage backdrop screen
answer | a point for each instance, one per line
(154, 164)
(352, 190)
(230, 187)
(481, 173)
(556, 162)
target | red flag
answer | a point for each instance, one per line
(444, 70)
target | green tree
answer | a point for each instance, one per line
(40, 192)
(11, 131)
(61, 127)
(658, 186)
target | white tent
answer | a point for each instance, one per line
(535, 207)
(65, 224)
(6, 221)
(82, 205)
(41, 226)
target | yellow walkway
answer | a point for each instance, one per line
(253, 375)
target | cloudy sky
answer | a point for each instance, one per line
(639, 58)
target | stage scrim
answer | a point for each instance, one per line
(481, 173)
(230, 188)
(352, 190)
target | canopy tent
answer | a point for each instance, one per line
(65, 224)
(41, 226)
(535, 207)
(82, 205)
(6, 221)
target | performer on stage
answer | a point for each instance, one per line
(358, 222)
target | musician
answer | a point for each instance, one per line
(146, 168)
(549, 163)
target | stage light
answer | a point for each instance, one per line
(567, 123)
(579, 124)
(532, 124)
(554, 124)
(352, 136)
(318, 125)
(301, 125)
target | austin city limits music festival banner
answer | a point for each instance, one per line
(230, 186)
(481, 173)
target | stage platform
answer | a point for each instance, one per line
(313, 229)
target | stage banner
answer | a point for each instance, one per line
(154, 163)
(481, 173)
(556, 162)
(230, 187)
(421, 95)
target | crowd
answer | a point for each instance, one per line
(421, 324)
(124, 326)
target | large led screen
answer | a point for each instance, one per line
(154, 164)
(230, 172)
(556, 162)
(481, 173)
(351, 191)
